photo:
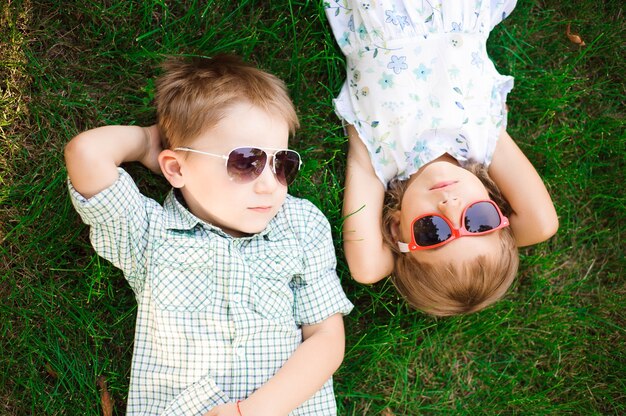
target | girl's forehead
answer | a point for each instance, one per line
(463, 249)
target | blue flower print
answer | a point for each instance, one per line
(422, 72)
(397, 19)
(351, 24)
(398, 64)
(386, 81)
(477, 60)
(344, 40)
(362, 31)
(419, 147)
(456, 27)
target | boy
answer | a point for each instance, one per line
(233, 317)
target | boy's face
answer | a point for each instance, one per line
(210, 193)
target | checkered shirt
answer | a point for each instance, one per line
(217, 316)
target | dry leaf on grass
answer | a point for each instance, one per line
(105, 397)
(574, 37)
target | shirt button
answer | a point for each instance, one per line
(236, 297)
(456, 41)
(239, 351)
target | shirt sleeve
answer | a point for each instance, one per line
(500, 10)
(320, 294)
(197, 399)
(118, 218)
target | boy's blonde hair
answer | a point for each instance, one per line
(452, 288)
(194, 95)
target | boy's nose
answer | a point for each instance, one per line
(267, 182)
(451, 207)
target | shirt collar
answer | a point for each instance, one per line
(178, 217)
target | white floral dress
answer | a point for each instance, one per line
(419, 80)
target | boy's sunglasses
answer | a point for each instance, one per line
(433, 230)
(245, 164)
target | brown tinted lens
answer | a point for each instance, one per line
(245, 164)
(286, 166)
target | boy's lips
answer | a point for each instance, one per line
(441, 185)
(261, 209)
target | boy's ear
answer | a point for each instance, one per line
(171, 168)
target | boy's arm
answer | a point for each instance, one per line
(306, 371)
(534, 218)
(369, 259)
(93, 156)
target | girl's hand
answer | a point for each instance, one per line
(227, 409)
(150, 158)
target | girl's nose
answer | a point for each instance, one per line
(451, 207)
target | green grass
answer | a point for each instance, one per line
(555, 345)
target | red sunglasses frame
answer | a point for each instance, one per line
(456, 232)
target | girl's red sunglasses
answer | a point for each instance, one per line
(433, 230)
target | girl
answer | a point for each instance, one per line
(429, 159)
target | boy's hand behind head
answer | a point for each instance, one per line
(153, 147)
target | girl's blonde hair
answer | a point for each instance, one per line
(452, 288)
(194, 95)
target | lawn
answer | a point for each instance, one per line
(554, 345)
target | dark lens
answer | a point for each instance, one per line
(431, 230)
(246, 163)
(286, 166)
(481, 217)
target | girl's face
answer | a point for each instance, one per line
(443, 187)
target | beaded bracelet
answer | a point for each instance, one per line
(238, 408)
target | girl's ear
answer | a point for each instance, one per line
(169, 161)
(394, 226)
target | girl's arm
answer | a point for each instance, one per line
(369, 259)
(93, 156)
(306, 371)
(534, 218)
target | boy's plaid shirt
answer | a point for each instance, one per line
(217, 316)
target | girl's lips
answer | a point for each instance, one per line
(441, 185)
